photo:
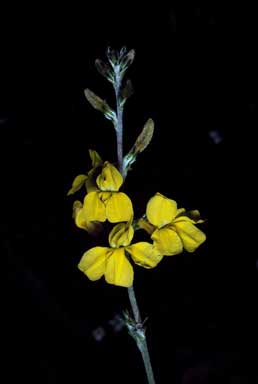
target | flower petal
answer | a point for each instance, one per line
(119, 208)
(121, 235)
(110, 178)
(144, 254)
(118, 269)
(81, 221)
(93, 262)
(161, 210)
(94, 208)
(79, 215)
(78, 182)
(191, 236)
(95, 158)
(167, 241)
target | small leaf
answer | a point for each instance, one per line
(77, 184)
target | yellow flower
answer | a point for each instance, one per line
(107, 203)
(87, 180)
(113, 263)
(172, 229)
(81, 220)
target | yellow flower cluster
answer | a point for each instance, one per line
(171, 229)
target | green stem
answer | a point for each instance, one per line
(139, 329)
(143, 347)
(134, 305)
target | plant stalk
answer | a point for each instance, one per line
(138, 329)
(141, 341)
(119, 126)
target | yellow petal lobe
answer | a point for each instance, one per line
(94, 208)
(191, 236)
(118, 269)
(119, 207)
(144, 254)
(167, 241)
(161, 210)
(121, 235)
(93, 262)
(110, 178)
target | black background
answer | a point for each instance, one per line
(195, 72)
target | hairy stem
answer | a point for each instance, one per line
(119, 126)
